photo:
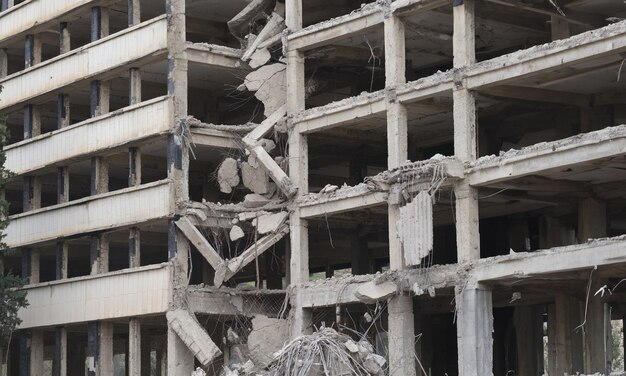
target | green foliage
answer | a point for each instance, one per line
(11, 298)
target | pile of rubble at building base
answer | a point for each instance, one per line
(325, 352)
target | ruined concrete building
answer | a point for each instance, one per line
(310, 187)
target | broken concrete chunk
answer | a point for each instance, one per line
(232, 337)
(198, 372)
(260, 57)
(371, 293)
(228, 175)
(255, 179)
(329, 188)
(373, 364)
(248, 216)
(269, 83)
(267, 336)
(267, 144)
(253, 160)
(254, 200)
(351, 346)
(236, 233)
(415, 228)
(268, 223)
(234, 265)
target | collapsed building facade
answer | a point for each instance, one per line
(198, 183)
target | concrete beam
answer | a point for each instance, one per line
(211, 138)
(215, 56)
(358, 22)
(555, 260)
(560, 154)
(336, 205)
(593, 45)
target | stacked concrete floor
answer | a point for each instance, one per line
(200, 182)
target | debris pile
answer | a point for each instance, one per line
(327, 352)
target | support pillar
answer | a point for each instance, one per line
(36, 352)
(105, 364)
(4, 63)
(99, 254)
(62, 253)
(528, 322)
(298, 172)
(134, 179)
(134, 347)
(60, 352)
(35, 267)
(25, 347)
(26, 264)
(474, 321)
(93, 351)
(401, 336)
(180, 360)
(565, 344)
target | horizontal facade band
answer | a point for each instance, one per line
(103, 58)
(103, 212)
(33, 16)
(88, 138)
(358, 22)
(124, 293)
(556, 155)
(508, 268)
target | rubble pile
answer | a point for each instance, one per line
(327, 352)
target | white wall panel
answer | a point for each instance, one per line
(125, 293)
(111, 210)
(132, 124)
(120, 49)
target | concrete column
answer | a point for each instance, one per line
(401, 336)
(467, 222)
(474, 321)
(99, 175)
(31, 193)
(400, 308)
(566, 343)
(592, 219)
(60, 352)
(134, 347)
(134, 75)
(93, 351)
(293, 15)
(62, 253)
(4, 63)
(299, 174)
(26, 264)
(105, 363)
(134, 12)
(180, 360)
(528, 322)
(63, 107)
(25, 350)
(597, 333)
(559, 28)
(465, 134)
(134, 179)
(36, 352)
(99, 254)
(35, 267)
